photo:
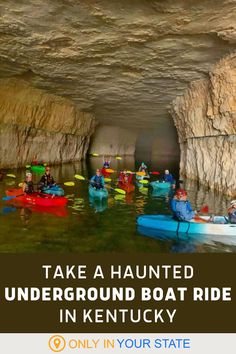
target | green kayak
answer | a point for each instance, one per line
(38, 169)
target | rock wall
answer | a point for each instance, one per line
(33, 122)
(205, 118)
(111, 141)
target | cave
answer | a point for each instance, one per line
(150, 79)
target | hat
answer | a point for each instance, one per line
(233, 202)
(181, 192)
(28, 174)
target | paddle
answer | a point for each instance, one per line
(143, 181)
(106, 179)
(10, 197)
(118, 190)
(154, 173)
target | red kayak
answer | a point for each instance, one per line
(128, 187)
(40, 199)
(105, 173)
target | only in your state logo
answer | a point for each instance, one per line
(57, 343)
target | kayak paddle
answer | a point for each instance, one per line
(10, 197)
(81, 178)
(143, 181)
(154, 173)
(106, 179)
(118, 190)
(69, 184)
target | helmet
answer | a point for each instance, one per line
(28, 174)
(181, 192)
(233, 202)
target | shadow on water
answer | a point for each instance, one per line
(87, 225)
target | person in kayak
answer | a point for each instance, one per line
(143, 168)
(97, 181)
(47, 180)
(181, 207)
(232, 212)
(106, 162)
(28, 186)
(125, 178)
(168, 177)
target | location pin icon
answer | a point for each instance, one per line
(57, 343)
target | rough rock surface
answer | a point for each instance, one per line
(32, 121)
(205, 118)
(114, 141)
(124, 61)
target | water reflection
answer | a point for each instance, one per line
(90, 225)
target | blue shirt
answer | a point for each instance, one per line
(99, 180)
(182, 210)
(169, 178)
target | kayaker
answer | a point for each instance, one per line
(47, 180)
(106, 162)
(28, 186)
(125, 178)
(97, 181)
(181, 207)
(168, 177)
(232, 212)
(143, 168)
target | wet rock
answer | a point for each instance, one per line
(33, 122)
(205, 118)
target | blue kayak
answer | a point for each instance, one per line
(53, 190)
(98, 193)
(160, 185)
(218, 226)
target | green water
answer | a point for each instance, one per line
(85, 226)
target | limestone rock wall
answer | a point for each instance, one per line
(205, 118)
(33, 122)
(111, 141)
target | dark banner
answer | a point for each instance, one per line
(117, 293)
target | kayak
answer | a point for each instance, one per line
(54, 190)
(128, 187)
(38, 169)
(40, 199)
(105, 173)
(98, 193)
(219, 225)
(186, 243)
(160, 185)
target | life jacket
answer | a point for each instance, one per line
(232, 217)
(98, 179)
(47, 180)
(29, 187)
(182, 210)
